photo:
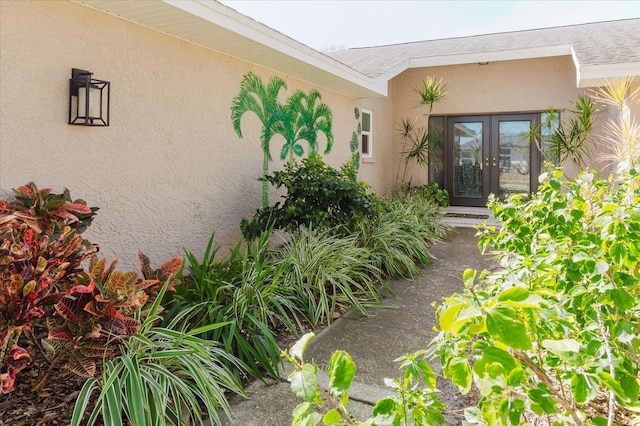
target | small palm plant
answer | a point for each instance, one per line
(415, 139)
(622, 134)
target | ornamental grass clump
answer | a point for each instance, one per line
(327, 272)
(240, 292)
(399, 237)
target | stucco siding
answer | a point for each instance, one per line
(170, 169)
(499, 87)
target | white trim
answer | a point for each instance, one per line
(369, 155)
(598, 75)
(471, 58)
(229, 32)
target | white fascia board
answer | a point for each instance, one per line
(600, 75)
(228, 18)
(471, 58)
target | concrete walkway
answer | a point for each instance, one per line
(403, 325)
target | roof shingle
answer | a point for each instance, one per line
(600, 43)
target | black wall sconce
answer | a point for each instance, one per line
(88, 99)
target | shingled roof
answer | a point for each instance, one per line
(610, 44)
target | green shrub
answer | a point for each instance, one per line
(41, 257)
(241, 293)
(326, 272)
(415, 400)
(558, 325)
(165, 375)
(318, 196)
(433, 193)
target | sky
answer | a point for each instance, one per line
(334, 24)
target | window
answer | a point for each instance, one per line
(366, 136)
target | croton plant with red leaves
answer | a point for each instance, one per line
(43, 282)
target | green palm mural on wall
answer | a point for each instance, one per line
(306, 117)
(262, 100)
(301, 118)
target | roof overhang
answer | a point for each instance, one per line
(215, 26)
(600, 75)
(477, 57)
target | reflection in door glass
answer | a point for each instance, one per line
(436, 150)
(467, 152)
(515, 157)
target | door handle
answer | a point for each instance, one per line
(494, 162)
(486, 162)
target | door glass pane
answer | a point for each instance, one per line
(550, 122)
(515, 157)
(436, 150)
(467, 153)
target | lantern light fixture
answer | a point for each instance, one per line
(88, 99)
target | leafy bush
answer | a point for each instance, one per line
(41, 259)
(240, 293)
(93, 318)
(165, 375)
(325, 272)
(318, 196)
(412, 404)
(558, 325)
(433, 193)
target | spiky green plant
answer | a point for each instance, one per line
(431, 91)
(241, 292)
(165, 376)
(327, 272)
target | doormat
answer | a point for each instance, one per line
(467, 215)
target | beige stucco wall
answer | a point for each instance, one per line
(170, 169)
(500, 87)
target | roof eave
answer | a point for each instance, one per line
(600, 75)
(476, 57)
(244, 38)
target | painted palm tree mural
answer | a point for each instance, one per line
(262, 100)
(301, 118)
(306, 117)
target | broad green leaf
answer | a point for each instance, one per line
(459, 371)
(304, 383)
(579, 388)
(384, 411)
(332, 417)
(562, 345)
(303, 415)
(630, 386)
(622, 299)
(494, 362)
(517, 294)
(341, 371)
(464, 317)
(504, 325)
(449, 315)
(612, 384)
(542, 401)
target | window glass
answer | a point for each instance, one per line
(366, 148)
(549, 123)
(436, 150)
